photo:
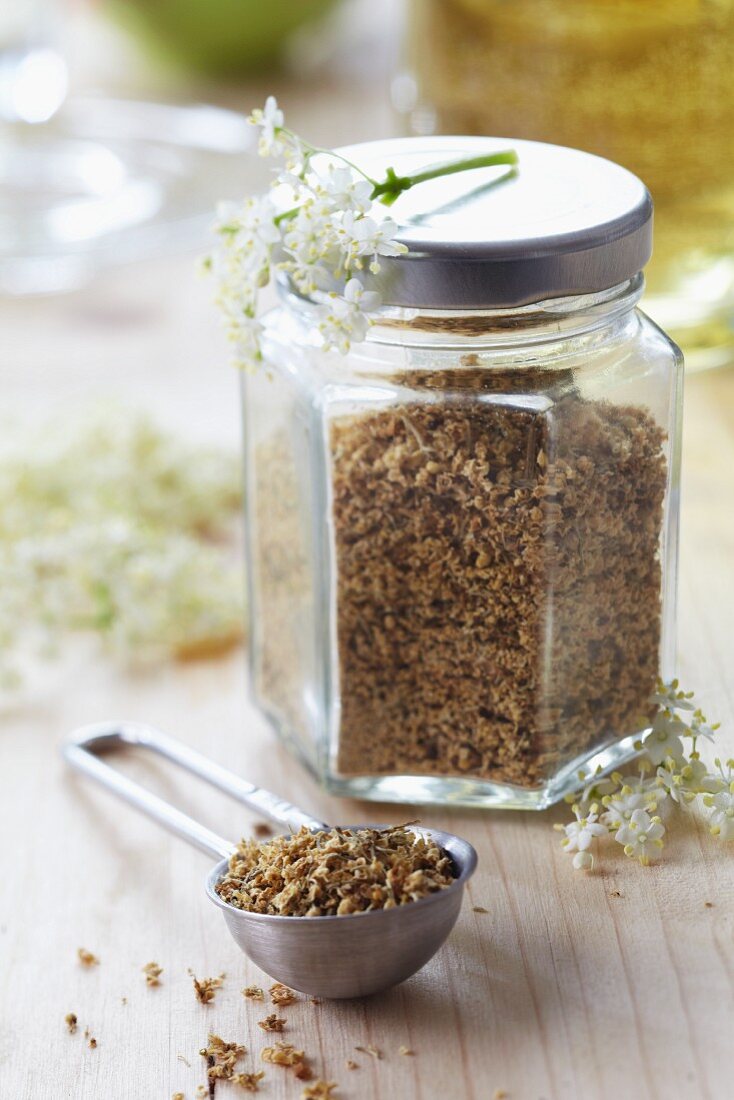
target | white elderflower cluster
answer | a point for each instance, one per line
(110, 525)
(315, 226)
(579, 835)
(668, 773)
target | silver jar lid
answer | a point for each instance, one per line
(567, 223)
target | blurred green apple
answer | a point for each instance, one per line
(217, 36)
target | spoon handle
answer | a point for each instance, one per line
(85, 746)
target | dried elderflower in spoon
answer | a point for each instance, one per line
(334, 872)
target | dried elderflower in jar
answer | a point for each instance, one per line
(462, 534)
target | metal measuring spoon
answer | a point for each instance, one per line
(346, 956)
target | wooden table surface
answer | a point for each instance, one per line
(615, 984)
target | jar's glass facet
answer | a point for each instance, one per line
(283, 568)
(462, 545)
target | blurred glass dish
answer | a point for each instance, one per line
(217, 36)
(33, 72)
(108, 181)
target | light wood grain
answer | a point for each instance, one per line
(567, 980)
(616, 984)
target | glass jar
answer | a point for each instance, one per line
(647, 85)
(462, 535)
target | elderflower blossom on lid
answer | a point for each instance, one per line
(567, 223)
(317, 228)
(313, 227)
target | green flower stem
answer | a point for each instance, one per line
(393, 185)
(286, 216)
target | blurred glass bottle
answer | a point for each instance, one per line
(649, 85)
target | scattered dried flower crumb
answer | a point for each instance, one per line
(352, 1065)
(615, 894)
(123, 1000)
(334, 872)
(499, 1094)
(283, 1054)
(152, 973)
(319, 1090)
(86, 958)
(372, 1051)
(272, 1023)
(281, 995)
(222, 1057)
(708, 904)
(206, 988)
(262, 829)
(253, 992)
(178, 1096)
(183, 1059)
(201, 1091)
(315, 1000)
(479, 909)
(71, 1022)
(92, 1042)
(406, 1051)
(250, 1082)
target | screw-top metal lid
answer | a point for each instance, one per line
(567, 223)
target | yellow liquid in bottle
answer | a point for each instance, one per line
(648, 84)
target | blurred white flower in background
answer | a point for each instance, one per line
(109, 524)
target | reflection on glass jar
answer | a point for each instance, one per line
(647, 85)
(462, 536)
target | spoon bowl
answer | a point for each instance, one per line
(352, 956)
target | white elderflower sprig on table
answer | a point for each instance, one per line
(670, 697)
(641, 836)
(620, 806)
(579, 835)
(685, 783)
(668, 772)
(664, 739)
(699, 727)
(721, 803)
(596, 788)
(317, 226)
